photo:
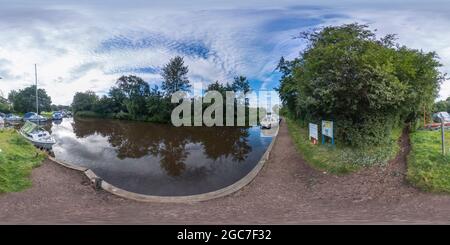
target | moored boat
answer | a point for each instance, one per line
(269, 121)
(12, 118)
(34, 117)
(38, 136)
(57, 115)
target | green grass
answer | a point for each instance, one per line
(341, 159)
(428, 169)
(17, 158)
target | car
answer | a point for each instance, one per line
(442, 115)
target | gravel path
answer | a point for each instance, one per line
(286, 191)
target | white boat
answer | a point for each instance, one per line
(270, 121)
(38, 136)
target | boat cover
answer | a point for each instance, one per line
(29, 127)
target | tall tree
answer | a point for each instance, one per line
(175, 76)
(136, 91)
(240, 84)
(366, 85)
(84, 101)
(24, 100)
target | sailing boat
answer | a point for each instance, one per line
(34, 116)
(34, 133)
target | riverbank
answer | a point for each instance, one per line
(17, 158)
(286, 191)
(340, 159)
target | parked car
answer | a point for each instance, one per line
(441, 115)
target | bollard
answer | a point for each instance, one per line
(97, 183)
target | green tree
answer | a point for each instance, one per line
(175, 76)
(84, 101)
(366, 85)
(240, 84)
(24, 100)
(443, 105)
(136, 90)
(117, 99)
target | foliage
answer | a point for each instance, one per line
(175, 76)
(427, 167)
(24, 100)
(341, 159)
(84, 101)
(4, 107)
(133, 99)
(368, 86)
(17, 158)
(60, 107)
(442, 105)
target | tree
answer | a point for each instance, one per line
(366, 85)
(240, 84)
(117, 99)
(24, 100)
(84, 101)
(136, 90)
(442, 105)
(175, 76)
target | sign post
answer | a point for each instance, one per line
(327, 130)
(313, 133)
(443, 136)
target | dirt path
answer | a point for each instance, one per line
(287, 190)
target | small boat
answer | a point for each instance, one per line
(38, 136)
(269, 121)
(57, 116)
(34, 117)
(12, 118)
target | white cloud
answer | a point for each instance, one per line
(240, 37)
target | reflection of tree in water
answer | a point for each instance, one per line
(226, 141)
(136, 140)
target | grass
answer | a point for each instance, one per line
(428, 169)
(17, 158)
(341, 159)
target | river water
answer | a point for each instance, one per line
(158, 159)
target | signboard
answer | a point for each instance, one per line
(313, 131)
(327, 130)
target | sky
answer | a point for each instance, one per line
(86, 45)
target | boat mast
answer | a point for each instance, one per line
(37, 100)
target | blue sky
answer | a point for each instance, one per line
(81, 45)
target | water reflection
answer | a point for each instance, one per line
(160, 159)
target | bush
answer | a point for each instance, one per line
(367, 86)
(89, 114)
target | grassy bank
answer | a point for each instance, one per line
(428, 169)
(341, 159)
(17, 158)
